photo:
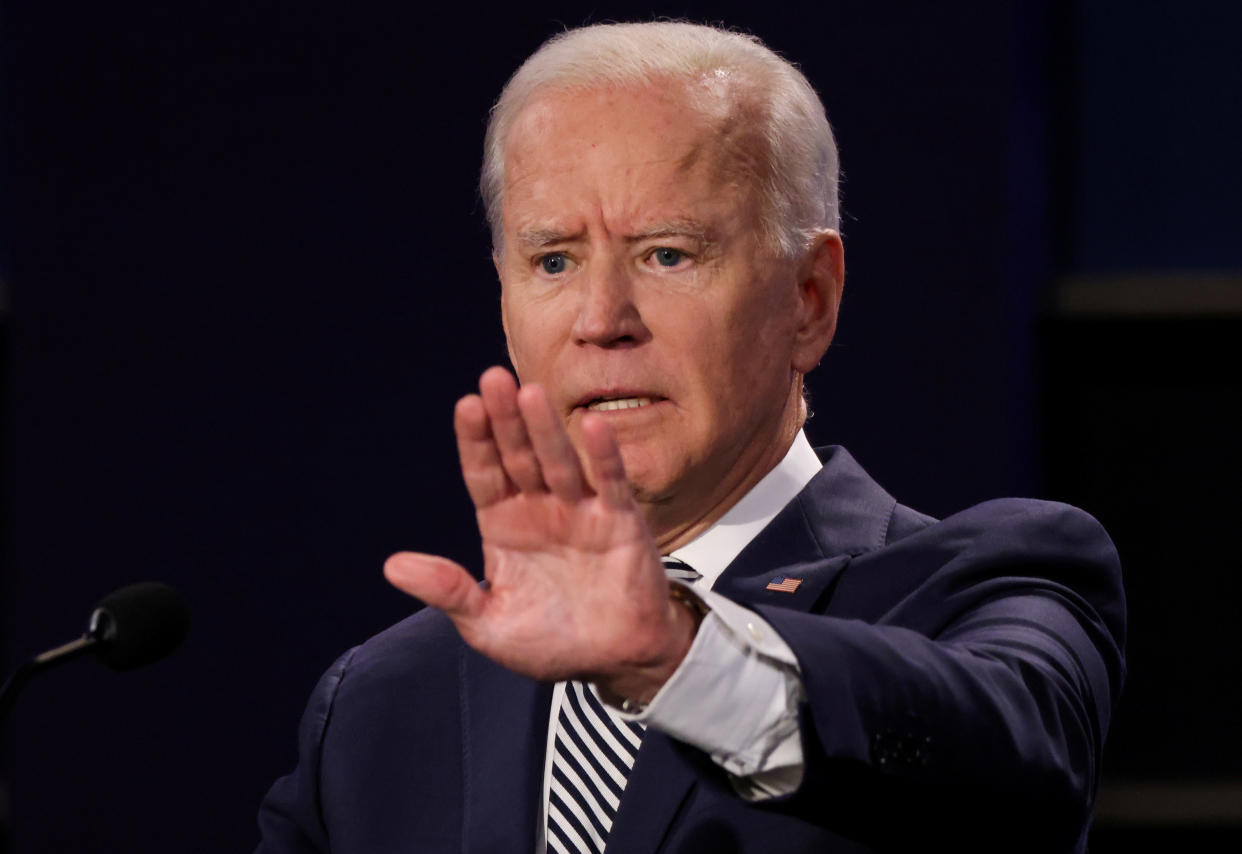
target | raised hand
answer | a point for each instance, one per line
(575, 588)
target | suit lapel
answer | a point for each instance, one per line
(657, 786)
(504, 734)
(842, 512)
(785, 548)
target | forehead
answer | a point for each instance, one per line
(631, 146)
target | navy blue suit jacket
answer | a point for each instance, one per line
(960, 676)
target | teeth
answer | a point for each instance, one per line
(621, 403)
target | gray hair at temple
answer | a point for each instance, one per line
(800, 184)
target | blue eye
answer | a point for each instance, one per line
(553, 264)
(666, 257)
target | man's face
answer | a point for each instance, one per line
(636, 283)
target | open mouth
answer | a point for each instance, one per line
(613, 404)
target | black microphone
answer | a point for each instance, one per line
(131, 627)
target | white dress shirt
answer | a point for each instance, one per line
(735, 695)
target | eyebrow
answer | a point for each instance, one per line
(538, 237)
(672, 228)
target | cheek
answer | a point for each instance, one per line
(757, 349)
(756, 330)
(531, 332)
(718, 367)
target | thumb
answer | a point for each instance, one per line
(438, 581)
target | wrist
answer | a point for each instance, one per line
(633, 691)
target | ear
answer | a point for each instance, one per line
(504, 311)
(821, 279)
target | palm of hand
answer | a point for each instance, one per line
(579, 581)
(575, 588)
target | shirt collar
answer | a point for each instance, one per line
(713, 550)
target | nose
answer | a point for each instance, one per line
(608, 314)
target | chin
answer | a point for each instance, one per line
(651, 477)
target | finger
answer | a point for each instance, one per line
(439, 582)
(604, 465)
(558, 461)
(499, 392)
(481, 468)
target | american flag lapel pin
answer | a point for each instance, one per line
(784, 584)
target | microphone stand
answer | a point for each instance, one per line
(97, 633)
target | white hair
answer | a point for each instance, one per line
(799, 183)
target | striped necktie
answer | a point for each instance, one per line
(593, 755)
(678, 571)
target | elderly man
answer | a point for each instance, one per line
(695, 634)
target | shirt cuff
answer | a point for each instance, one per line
(735, 696)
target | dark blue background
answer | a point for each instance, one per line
(248, 275)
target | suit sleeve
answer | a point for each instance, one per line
(968, 685)
(290, 817)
